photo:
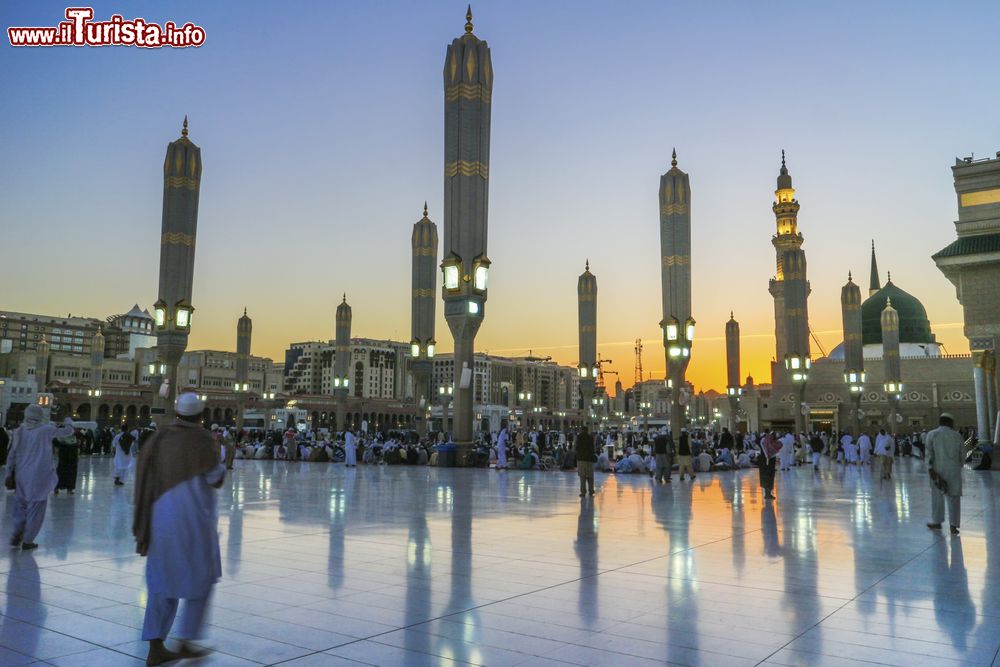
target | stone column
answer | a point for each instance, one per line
(982, 400)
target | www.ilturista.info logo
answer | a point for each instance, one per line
(81, 30)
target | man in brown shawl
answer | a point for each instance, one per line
(176, 528)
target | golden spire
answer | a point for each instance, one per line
(468, 20)
(731, 315)
(673, 158)
(345, 297)
(184, 130)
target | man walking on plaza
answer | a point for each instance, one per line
(31, 472)
(945, 451)
(816, 445)
(684, 455)
(885, 449)
(176, 528)
(663, 448)
(770, 446)
(502, 446)
(585, 456)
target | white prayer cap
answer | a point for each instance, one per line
(188, 404)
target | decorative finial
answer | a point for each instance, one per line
(244, 311)
(345, 297)
(782, 157)
(425, 208)
(587, 265)
(873, 245)
(850, 279)
(468, 20)
(673, 158)
(888, 276)
(184, 130)
(731, 315)
(888, 302)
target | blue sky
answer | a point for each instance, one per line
(321, 134)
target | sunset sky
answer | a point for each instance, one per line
(321, 136)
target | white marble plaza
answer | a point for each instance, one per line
(414, 566)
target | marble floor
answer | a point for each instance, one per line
(413, 566)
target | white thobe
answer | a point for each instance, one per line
(350, 449)
(122, 458)
(864, 447)
(502, 449)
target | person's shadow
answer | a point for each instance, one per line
(954, 610)
(585, 547)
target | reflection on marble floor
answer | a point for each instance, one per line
(385, 566)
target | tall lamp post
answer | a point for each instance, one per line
(675, 278)
(644, 407)
(797, 367)
(854, 357)
(524, 398)
(172, 310)
(424, 244)
(890, 353)
(733, 390)
(468, 93)
(446, 394)
(586, 293)
(341, 361)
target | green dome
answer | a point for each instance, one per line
(914, 327)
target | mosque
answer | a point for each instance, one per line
(889, 371)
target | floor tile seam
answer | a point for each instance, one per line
(957, 662)
(848, 602)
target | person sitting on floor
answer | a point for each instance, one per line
(743, 460)
(703, 462)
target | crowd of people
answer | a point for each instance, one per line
(178, 468)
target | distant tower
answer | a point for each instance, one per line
(789, 287)
(732, 367)
(638, 362)
(468, 93)
(424, 243)
(873, 281)
(172, 311)
(244, 329)
(586, 294)
(342, 360)
(854, 358)
(42, 364)
(675, 278)
(890, 354)
(96, 363)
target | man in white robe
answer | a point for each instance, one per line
(864, 448)
(885, 449)
(787, 455)
(350, 449)
(31, 468)
(123, 455)
(502, 446)
(945, 458)
(176, 528)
